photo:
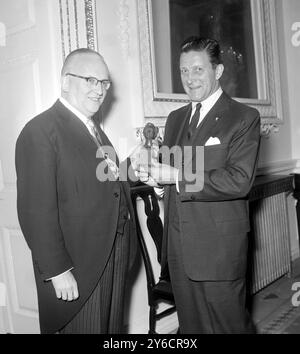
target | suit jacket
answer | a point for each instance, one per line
(68, 218)
(214, 219)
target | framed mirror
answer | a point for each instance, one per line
(246, 30)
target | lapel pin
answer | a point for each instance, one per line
(217, 118)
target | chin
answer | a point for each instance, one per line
(94, 109)
(195, 97)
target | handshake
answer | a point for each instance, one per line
(145, 161)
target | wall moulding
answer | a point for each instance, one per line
(160, 104)
(278, 167)
(1, 178)
(22, 16)
(78, 25)
(124, 27)
(19, 304)
(266, 128)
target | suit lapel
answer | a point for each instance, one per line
(179, 126)
(182, 125)
(73, 124)
(207, 126)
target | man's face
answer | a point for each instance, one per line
(79, 94)
(199, 78)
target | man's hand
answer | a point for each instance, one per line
(142, 156)
(139, 156)
(163, 174)
(140, 161)
(65, 286)
(144, 177)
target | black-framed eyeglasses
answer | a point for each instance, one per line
(93, 82)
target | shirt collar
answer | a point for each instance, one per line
(74, 110)
(208, 103)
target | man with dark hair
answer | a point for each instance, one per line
(206, 224)
(76, 225)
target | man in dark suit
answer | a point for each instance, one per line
(73, 208)
(206, 219)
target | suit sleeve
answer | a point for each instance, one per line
(37, 201)
(234, 180)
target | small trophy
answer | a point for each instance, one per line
(149, 150)
(151, 144)
(150, 132)
(146, 153)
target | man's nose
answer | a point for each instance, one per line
(190, 76)
(99, 89)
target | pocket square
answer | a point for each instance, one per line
(212, 141)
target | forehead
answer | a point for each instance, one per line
(194, 57)
(90, 65)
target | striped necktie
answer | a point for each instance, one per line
(98, 140)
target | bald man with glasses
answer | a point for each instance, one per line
(76, 218)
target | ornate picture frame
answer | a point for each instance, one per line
(158, 105)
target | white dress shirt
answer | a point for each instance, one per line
(206, 106)
(85, 120)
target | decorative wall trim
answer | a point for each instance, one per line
(30, 61)
(7, 313)
(16, 61)
(267, 128)
(124, 27)
(90, 16)
(78, 25)
(280, 167)
(26, 25)
(11, 276)
(1, 178)
(267, 186)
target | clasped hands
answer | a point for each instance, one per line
(149, 170)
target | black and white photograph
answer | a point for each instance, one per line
(149, 170)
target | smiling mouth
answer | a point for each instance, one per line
(95, 99)
(194, 87)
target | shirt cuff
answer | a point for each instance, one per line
(177, 181)
(159, 191)
(59, 274)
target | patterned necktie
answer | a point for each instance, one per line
(194, 121)
(98, 140)
(95, 132)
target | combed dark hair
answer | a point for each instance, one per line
(211, 46)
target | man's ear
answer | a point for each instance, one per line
(219, 71)
(65, 83)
